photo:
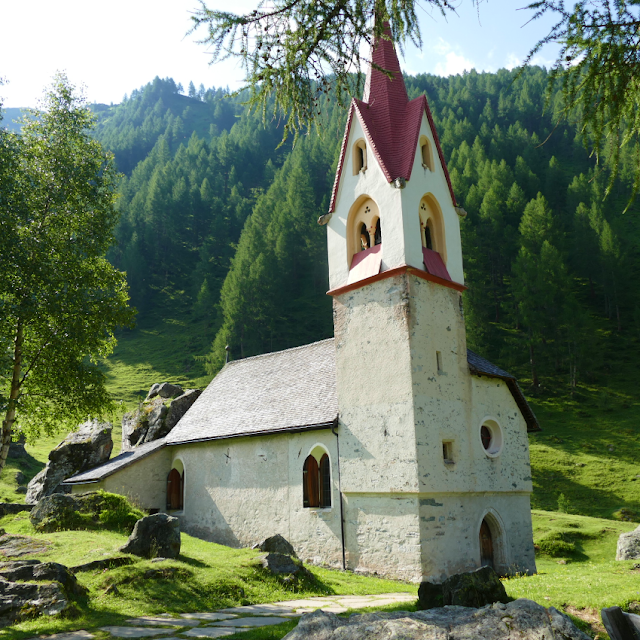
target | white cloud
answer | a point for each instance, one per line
(512, 61)
(450, 62)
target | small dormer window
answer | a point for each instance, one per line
(425, 152)
(359, 157)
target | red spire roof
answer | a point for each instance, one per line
(391, 122)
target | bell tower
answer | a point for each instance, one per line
(415, 477)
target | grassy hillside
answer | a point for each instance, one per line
(576, 573)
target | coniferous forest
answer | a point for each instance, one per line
(218, 219)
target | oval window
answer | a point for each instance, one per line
(491, 437)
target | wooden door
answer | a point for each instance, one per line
(174, 490)
(486, 545)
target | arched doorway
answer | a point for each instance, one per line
(486, 545)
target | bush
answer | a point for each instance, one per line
(626, 515)
(556, 546)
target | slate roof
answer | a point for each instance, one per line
(283, 391)
(390, 121)
(479, 366)
(115, 464)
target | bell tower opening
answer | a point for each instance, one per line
(432, 226)
(363, 227)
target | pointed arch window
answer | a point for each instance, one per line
(316, 482)
(434, 248)
(426, 154)
(359, 157)
(175, 490)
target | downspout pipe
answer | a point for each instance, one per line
(344, 553)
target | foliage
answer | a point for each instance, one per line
(59, 299)
(289, 48)
(597, 68)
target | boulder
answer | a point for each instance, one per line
(44, 572)
(430, 595)
(21, 600)
(12, 546)
(156, 417)
(20, 477)
(62, 511)
(523, 619)
(154, 536)
(629, 545)
(86, 448)
(155, 429)
(474, 589)
(153, 392)
(179, 406)
(277, 544)
(281, 564)
(168, 390)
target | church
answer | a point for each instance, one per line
(390, 449)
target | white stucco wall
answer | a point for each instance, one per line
(144, 482)
(409, 514)
(242, 490)
(399, 211)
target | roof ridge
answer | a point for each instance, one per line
(273, 353)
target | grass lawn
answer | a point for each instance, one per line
(576, 573)
(206, 576)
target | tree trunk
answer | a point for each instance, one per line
(14, 393)
(534, 372)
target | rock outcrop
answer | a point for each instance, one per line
(471, 589)
(155, 536)
(20, 600)
(629, 545)
(84, 449)
(281, 564)
(521, 619)
(159, 413)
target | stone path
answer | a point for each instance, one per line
(216, 624)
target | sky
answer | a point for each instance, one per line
(111, 48)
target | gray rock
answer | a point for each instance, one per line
(12, 546)
(156, 429)
(20, 477)
(101, 565)
(22, 489)
(153, 392)
(81, 450)
(24, 599)
(629, 545)
(17, 450)
(179, 406)
(430, 595)
(281, 564)
(134, 429)
(277, 544)
(10, 508)
(153, 536)
(474, 588)
(168, 390)
(521, 619)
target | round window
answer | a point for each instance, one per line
(491, 437)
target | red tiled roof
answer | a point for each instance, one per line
(390, 121)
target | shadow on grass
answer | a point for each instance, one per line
(193, 561)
